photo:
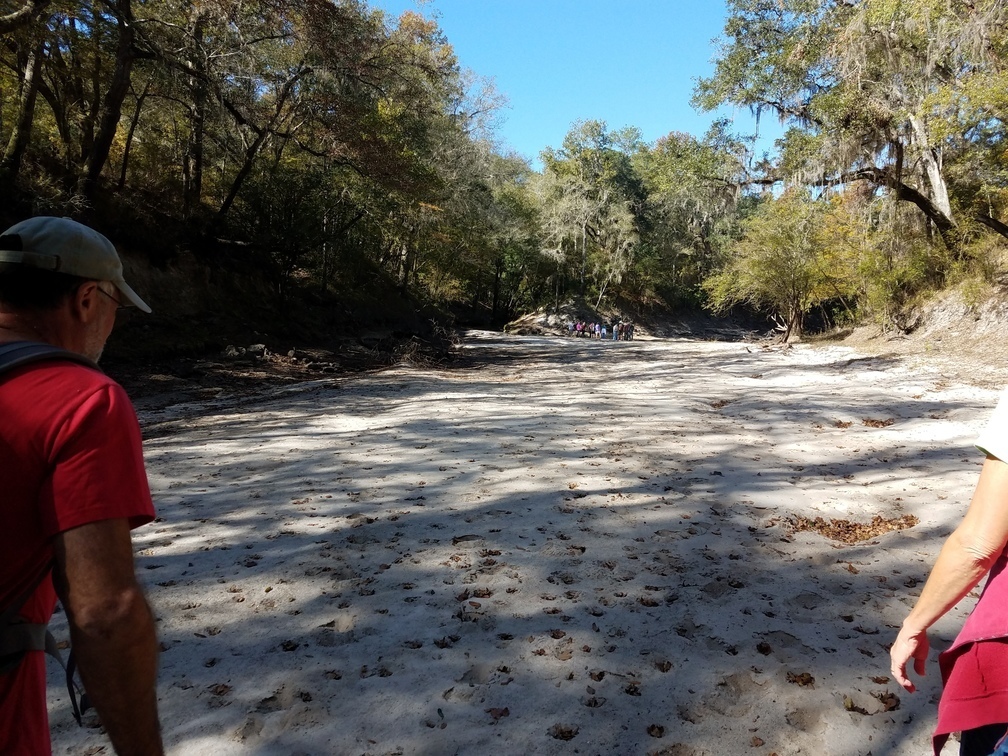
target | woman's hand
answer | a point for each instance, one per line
(966, 556)
(909, 644)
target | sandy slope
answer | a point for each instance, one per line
(576, 547)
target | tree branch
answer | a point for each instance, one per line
(994, 224)
(23, 16)
(887, 177)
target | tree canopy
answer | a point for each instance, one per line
(876, 90)
(330, 146)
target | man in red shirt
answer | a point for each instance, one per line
(74, 486)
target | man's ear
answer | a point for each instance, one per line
(84, 303)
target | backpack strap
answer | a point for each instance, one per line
(17, 353)
(18, 637)
(78, 696)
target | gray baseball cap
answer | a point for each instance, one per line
(62, 245)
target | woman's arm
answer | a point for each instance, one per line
(965, 558)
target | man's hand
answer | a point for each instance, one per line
(909, 644)
(112, 632)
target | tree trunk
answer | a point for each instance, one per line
(90, 100)
(327, 253)
(60, 118)
(584, 255)
(605, 285)
(477, 294)
(329, 249)
(20, 136)
(262, 135)
(114, 98)
(405, 263)
(192, 166)
(243, 173)
(498, 273)
(129, 136)
(932, 167)
(795, 322)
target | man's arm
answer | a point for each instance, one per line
(112, 631)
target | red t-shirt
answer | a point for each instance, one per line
(70, 454)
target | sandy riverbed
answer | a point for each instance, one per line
(576, 547)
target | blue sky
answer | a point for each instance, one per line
(628, 63)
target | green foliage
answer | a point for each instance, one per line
(895, 259)
(978, 277)
(791, 257)
(773, 56)
(899, 105)
(336, 147)
(286, 216)
(889, 277)
(908, 95)
(693, 203)
(593, 205)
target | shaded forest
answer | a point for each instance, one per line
(335, 154)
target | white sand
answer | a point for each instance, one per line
(577, 537)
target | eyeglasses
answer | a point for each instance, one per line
(123, 311)
(119, 304)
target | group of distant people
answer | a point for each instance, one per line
(617, 331)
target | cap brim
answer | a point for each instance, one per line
(131, 296)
